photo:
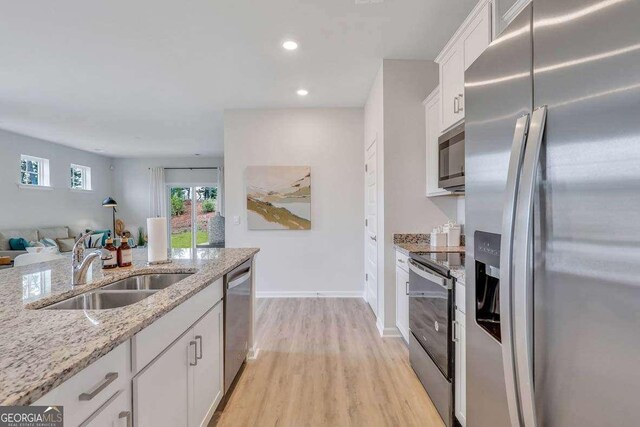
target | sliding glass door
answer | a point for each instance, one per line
(191, 207)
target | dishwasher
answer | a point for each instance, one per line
(237, 320)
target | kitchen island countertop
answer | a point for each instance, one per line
(40, 349)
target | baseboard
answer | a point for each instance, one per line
(253, 353)
(311, 294)
(392, 332)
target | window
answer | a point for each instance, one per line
(34, 171)
(80, 177)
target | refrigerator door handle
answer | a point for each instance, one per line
(523, 268)
(506, 264)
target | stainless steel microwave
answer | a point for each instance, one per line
(451, 160)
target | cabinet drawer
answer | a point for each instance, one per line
(85, 392)
(151, 341)
(116, 412)
(402, 260)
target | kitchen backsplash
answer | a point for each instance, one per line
(418, 238)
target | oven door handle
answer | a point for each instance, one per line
(438, 280)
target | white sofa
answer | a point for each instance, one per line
(31, 234)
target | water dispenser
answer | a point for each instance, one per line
(487, 270)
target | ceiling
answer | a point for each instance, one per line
(153, 77)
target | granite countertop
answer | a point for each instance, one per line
(42, 348)
(441, 255)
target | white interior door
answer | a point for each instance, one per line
(371, 227)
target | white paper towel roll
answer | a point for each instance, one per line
(157, 244)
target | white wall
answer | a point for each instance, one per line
(27, 208)
(327, 259)
(402, 167)
(131, 183)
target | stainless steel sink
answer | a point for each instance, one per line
(147, 282)
(101, 300)
(121, 293)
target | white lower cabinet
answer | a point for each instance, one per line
(206, 390)
(402, 299)
(160, 392)
(183, 386)
(461, 368)
(171, 370)
(87, 392)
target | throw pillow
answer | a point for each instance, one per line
(105, 235)
(95, 241)
(66, 245)
(49, 243)
(18, 244)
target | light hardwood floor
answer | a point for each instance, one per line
(322, 362)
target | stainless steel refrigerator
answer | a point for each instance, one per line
(553, 219)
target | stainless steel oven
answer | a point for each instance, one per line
(451, 159)
(431, 311)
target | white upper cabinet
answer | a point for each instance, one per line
(467, 44)
(432, 121)
(504, 12)
(452, 87)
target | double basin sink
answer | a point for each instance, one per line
(121, 293)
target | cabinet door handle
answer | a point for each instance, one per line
(460, 107)
(406, 288)
(374, 238)
(455, 105)
(400, 260)
(195, 353)
(199, 339)
(127, 415)
(108, 379)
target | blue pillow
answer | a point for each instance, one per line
(18, 244)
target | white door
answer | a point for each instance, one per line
(207, 374)
(371, 226)
(160, 392)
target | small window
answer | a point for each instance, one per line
(80, 177)
(34, 171)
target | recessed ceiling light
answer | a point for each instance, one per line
(303, 92)
(290, 45)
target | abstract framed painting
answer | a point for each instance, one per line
(278, 197)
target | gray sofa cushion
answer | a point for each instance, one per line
(12, 254)
(29, 234)
(53, 233)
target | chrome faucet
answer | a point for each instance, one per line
(80, 263)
